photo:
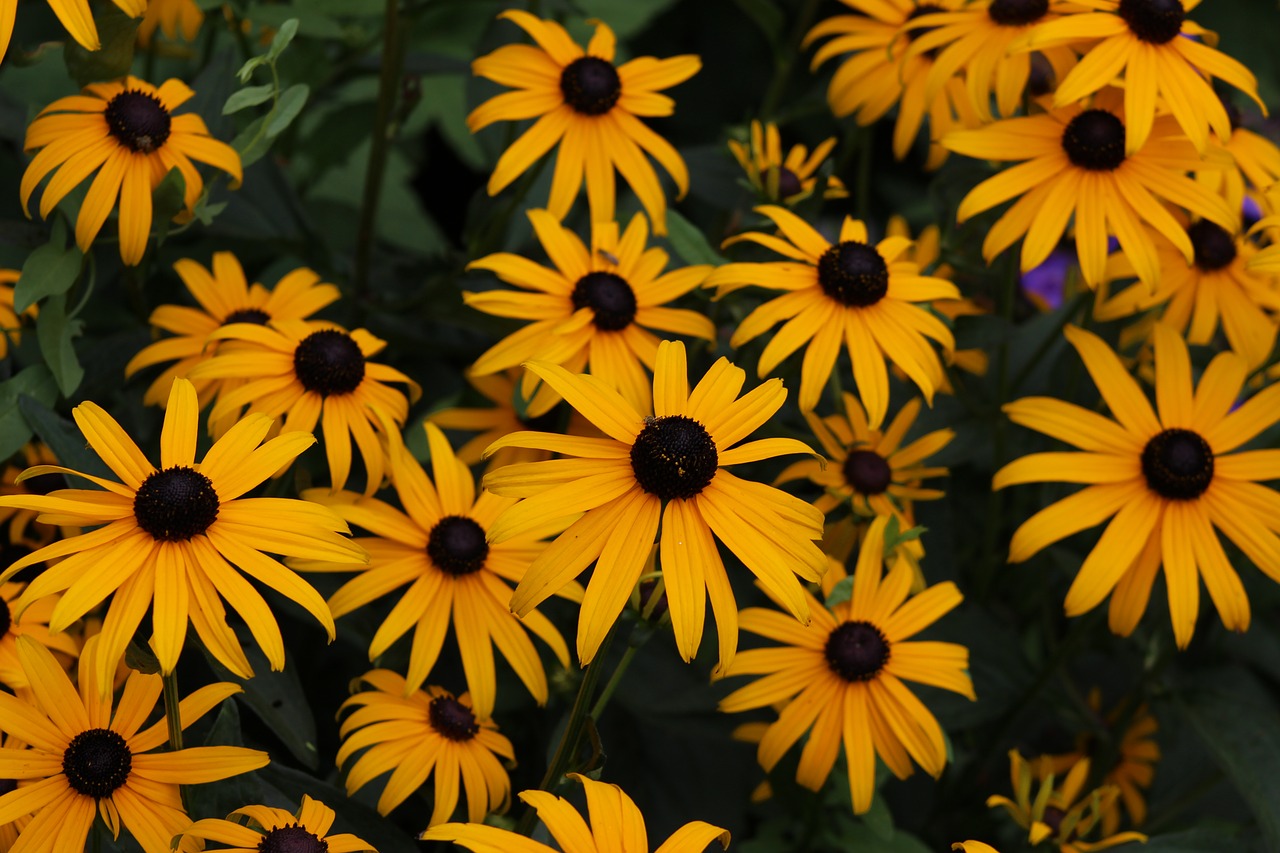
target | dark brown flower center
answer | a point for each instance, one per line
(293, 838)
(1214, 245)
(456, 545)
(248, 315)
(853, 273)
(176, 504)
(138, 121)
(1154, 21)
(1017, 13)
(867, 472)
(1178, 464)
(329, 362)
(97, 762)
(609, 297)
(674, 457)
(789, 183)
(857, 651)
(1094, 140)
(590, 85)
(451, 719)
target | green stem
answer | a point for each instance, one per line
(786, 61)
(173, 717)
(383, 131)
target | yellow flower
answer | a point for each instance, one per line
(90, 761)
(32, 622)
(1161, 56)
(278, 830)
(433, 734)
(312, 373)
(616, 824)
(1076, 161)
(74, 15)
(436, 547)
(666, 465)
(1257, 163)
(786, 179)
(171, 17)
(594, 310)
(500, 419)
(127, 132)
(1166, 477)
(845, 671)
(849, 292)
(171, 539)
(23, 536)
(589, 106)
(973, 847)
(10, 322)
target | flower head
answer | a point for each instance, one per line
(75, 17)
(262, 828)
(784, 179)
(174, 18)
(10, 322)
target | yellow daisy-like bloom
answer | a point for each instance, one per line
(90, 761)
(1062, 815)
(1218, 289)
(973, 847)
(23, 536)
(593, 311)
(33, 623)
(787, 179)
(976, 39)
(176, 536)
(878, 72)
(500, 419)
(1161, 56)
(663, 466)
(1075, 161)
(1168, 477)
(74, 15)
(266, 828)
(850, 291)
(309, 373)
(845, 671)
(10, 322)
(417, 734)
(615, 824)
(174, 18)
(127, 132)
(437, 548)
(590, 107)
(1257, 163)
(226, 297)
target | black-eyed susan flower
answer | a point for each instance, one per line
(32, 622)
(174, 18)
(86, 760)
(174, 540)
(74, 15)
(127, 133)
(975, 40)
(615, 824)
(1257, 163)
(225, 297)
(1162, 58)
(589, 107)
(22, 536)
(10, 322)
(1165, 477)
(436, 547)
(663, 466)
(502, 418)
(310, 373)
(973, 847)
(594, 310)
(1062, 815)
(786, 179)
(1217, 290)
(843, 674)
(253, 829)
(1075, 162)
(852, 293)
(877, 73)
(420, 734)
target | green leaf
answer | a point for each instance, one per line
(141, 659)
(118, 34)
(252, 142)
(284, 35)
(879, 820)
(250, 65)
(33, 382)
(49, 270)
(625, 17)
(55, 333)
(287, 108)
(250, 96)
(167, 200)
(689, 242)
(62, 436)
(841, 592)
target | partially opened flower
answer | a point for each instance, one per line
(10, 322)
(253, 829)
(786, 179)
(90, 760)
(592, 313)
(309, 374)
(418, 735)
(591, 108)
(665, 466)
(843, 676)
(616, 824)
(126, 132)
(1165, 477)
(74, 15)
(174, 540)
(853, 293)
(1075, 161)
(1162, 58)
